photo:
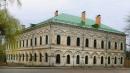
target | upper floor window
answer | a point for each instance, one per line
(95, 43)
(23, 43)
(115, 45)
(78, 41)
(35, 41)
(68, 41)
(40, 40)
(31, 42)
(102, 44)
(58, 39)
(46, 39)
(121, 46)
(26, 43)
(109, 45)
(87, 43)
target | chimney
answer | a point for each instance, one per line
(98, 19)
(83, 16)
(56, 13)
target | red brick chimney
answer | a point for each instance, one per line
(98, 20)
(56, 13)
(83, 16)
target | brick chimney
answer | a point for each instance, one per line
(83, 16)
(98, 20)
(56, 13)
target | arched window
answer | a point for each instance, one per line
(31, 42)
(78, 59)
(58, 59)
(86, 59)
(40, 40)
(19, 57)
(46, 57)
(46, 39)
(109, 60)
(58, 39)
(68, 59)
(23, 43)
(115, 60)
(121, 46)
(30, 57)
(35, 41)
(27, 43)
(35, 57)
(115, 45)
(109, 45)
(102, 44)
(87, 43)
(121, 61)
(94, 60)
(95, 43)
(26, 57)
(78, 41)
(40, 58)
(102, 60)
(68, 41)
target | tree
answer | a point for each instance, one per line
(127, 30)
(10, 28)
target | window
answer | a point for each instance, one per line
(58, 59)
(87, 43)
(58, 39)
(115, 45)
(86, 59)
(109, 45)
(46, 39)
(23, 57)
(46, 57)
(78, 59)
(68, 41)
(26, 57)
(35, 57)
(78, 41)
(40, 59)
(102, 60)
(31, 57)
(94, 60)
(102, 44)
(109, 60)
(31, 42)
(115, 60)
(121, 61)
(20, 44)
(40, 40)
(35, 41)
(23, 43)
(121, 46)
(95, 43)
(26, 43)
(68, 59)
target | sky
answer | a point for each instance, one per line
(113, 12)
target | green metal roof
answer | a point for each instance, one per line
(76, 21)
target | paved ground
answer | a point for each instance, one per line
(62, 70)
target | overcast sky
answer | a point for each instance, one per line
(113, 12)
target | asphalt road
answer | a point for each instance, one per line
(62, 70)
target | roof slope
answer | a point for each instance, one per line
(76, 21)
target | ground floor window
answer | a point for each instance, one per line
(102, 60)
(58, 59)
(94, 60)
(78, 59)
(86, 59)
(68, 59)
(109, 60)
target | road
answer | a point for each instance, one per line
(62, 70)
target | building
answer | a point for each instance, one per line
(67, 40)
